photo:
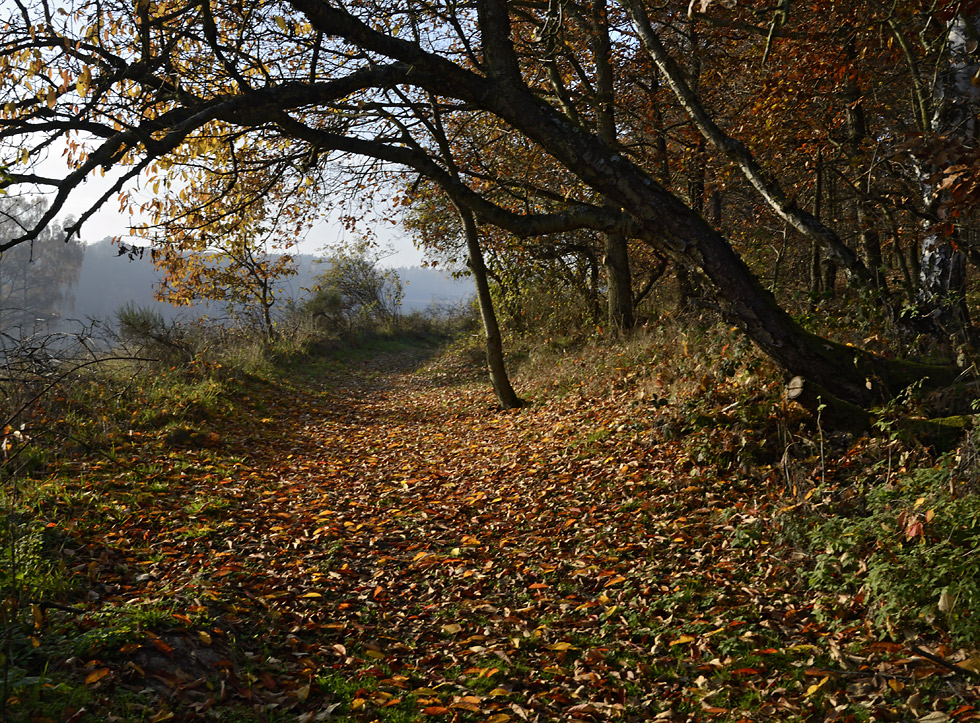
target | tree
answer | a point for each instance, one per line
(267, 93)
(237, 262)
(37, 279)
(352, 291)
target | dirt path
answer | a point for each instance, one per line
(396, 548)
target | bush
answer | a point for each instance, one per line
(353, 294)
(543, 308)
(147, 329)
(910, 546)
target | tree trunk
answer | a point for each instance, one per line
(816, 281)
(619, 285)
(871, 244)
(941, 308)
(687, 289)
(505, 393)
(619, 280)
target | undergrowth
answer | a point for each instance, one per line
(869, 534)
(908, 543)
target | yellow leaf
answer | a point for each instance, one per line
(311, 594)
(463, 705)
(204, 637)
(357, 703)
(451, 629)
(376, 654)
(303, 693)
(816, 686)
(683, 639)
(83, 82)
(561, 646)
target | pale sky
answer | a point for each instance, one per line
(109, 222)
(396, 247)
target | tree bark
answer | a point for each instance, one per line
(502, 388)
(619, 280)
(941, 308)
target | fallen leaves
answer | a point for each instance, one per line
(398, 546)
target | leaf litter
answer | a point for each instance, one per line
(392, 548)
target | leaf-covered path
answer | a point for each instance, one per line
(389, 547)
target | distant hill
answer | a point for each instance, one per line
(109, 281)
(425, 286)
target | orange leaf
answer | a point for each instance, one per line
(96, 675)
(163, 647)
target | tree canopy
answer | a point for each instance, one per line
(541, 119)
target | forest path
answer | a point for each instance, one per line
(386, 544)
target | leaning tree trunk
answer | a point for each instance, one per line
(495, 347)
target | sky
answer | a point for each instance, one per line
(395, 244)
(396, 247)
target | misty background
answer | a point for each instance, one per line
(50, 285)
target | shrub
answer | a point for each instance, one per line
(146, 328)
(910, 546)
(353, 294)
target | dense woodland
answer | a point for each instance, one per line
(701, 449)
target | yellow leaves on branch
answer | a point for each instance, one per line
(84, 82)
